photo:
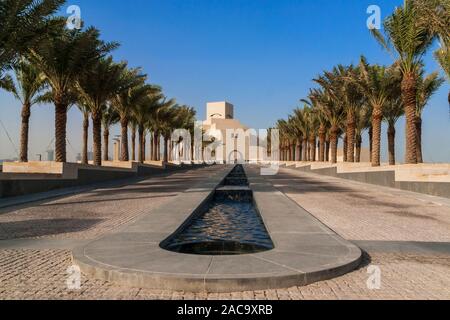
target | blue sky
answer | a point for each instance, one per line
(258, 54)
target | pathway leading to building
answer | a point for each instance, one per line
(375, 217)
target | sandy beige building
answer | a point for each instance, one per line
(221, 124)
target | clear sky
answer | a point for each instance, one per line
(259, 55)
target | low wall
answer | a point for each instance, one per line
(18, 184)
(386, 178)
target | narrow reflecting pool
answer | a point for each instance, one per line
(229, 225)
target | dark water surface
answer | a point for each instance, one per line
(231, 225)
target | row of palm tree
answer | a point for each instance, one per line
(74, 67)
(351, 99)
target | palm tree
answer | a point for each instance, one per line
(184, 119)
(63, 58)
(426, 87)
(96, 87)
(443, 57)
(86, 113)
(133, 127)
(377, 83)
(410, 38)
(23, 23)
(302, 127)
(315, 97)
(282, 126)
(125, 101)
(141, 113)
(29, 83)
(332, 108)
(109, 118)
(313, 127)
(158, 121)
(435, 15)
(363, 118)
(392, 112)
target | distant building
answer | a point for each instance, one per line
(220, 117)
(90, 155)
(50, 155)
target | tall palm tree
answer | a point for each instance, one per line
(133, 128)
(377, 83)
(125, 101)
(435, 15)
(86, 113)
(96, 87)
(313, 127)
(63, 58)
(426, 87)
(27, 87)
(362, 123)
(302, 131)
(410, 38)
(315, 97)
(141, 114)
(392, 112)
(283, 127)
(332, 108)
(157, 122)
(23, 23)
(109, 118)
(443, 57)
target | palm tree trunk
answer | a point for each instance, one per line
(133, 143)
(166, 149)
(370, 142)
(377, 117)
(293, 154)
(305, 149)
(144, 147)
(344, 151)
(141, 144)
(158, 149)
(391, 144)
(298, 151)
(419, 139)
(351, 125)
(334, 144)
(97, 135)
(358, 148)
(24, 130)
(60, 132)
(327, 149)
(84, 152)
(409, 97)
(106, 144)
(155, 146)
(312, 146)
(322, 137)
(151, 146)
(124, 140)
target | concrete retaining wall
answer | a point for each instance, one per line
(385, 179)
(17, 184)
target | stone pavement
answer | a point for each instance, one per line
(378, 218)
(94, 213)
(359, 211)
(42, 274)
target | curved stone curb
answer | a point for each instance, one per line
(305, 251)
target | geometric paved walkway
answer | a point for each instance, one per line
(385, 216)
